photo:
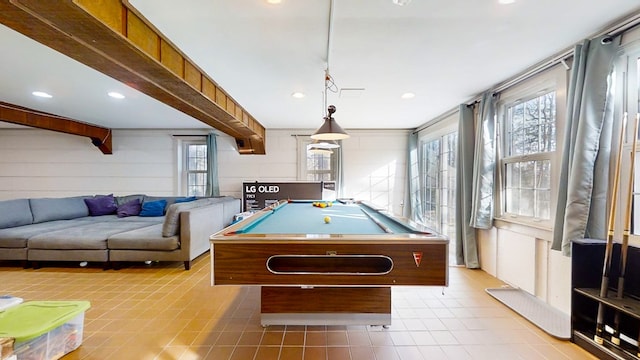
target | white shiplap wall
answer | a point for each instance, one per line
(374, 164)
(39, 163)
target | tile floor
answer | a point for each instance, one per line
(160, 311)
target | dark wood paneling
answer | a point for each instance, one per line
(143, 36)
(372, 300)
(171, 59)
(237, 263)
(192, 75)
(100, 137)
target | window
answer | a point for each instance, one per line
(631, 80)
(317, 166)
(530, 144)
(195, 168)
(439, 183)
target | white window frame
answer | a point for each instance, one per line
(553, 79)
(437, 132)
(628, 85)
(183, 161)
(303, 142)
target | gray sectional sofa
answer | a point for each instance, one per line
(64, 229)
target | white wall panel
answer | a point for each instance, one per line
(542, 268)
(559, 281)
(374, 164)
(488, 250)
(516, 259)
(38, 163)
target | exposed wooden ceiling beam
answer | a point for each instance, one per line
(111, 37)
(100, 137)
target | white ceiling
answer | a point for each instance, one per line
(446, 52)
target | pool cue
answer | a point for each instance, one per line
(382, 226)
(615, 338)
(604, 284)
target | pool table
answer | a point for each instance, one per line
(331, 264)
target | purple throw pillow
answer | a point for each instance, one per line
(101, 205)
(130, 208)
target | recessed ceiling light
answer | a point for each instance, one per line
(298, 95)
(274, 1)
(41, 94)
(401, 2)
(408, 95)
(506, 2)
(116, 95)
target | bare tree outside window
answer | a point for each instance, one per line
(438, 182)
(321, 166)
(196, 169)
(530, 129)
(439, 157)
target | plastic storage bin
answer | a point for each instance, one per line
(7, 301)
(44, 330)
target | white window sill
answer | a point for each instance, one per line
(541, 230)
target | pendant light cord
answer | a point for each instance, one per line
(329, 84)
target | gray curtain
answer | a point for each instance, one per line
(586, 155)
(213, 188)
(484, 164)
(413, 201)
(466, 244)
(339, 172)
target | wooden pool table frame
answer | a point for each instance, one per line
(334, 289)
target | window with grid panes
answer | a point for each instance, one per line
(317, 166)
(439, 183)
(530, 141)
(195, 168)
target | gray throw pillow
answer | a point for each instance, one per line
(15, 213)
(49, 209)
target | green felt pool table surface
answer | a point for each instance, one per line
(302, 217)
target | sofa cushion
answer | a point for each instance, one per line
(16, 237)
(101, 205)
(171, 225)
(49, 209)
(169, 199)
(185, 199)
(88, 235)
(153, 208)
(146, 238)
(131, 208)
(15, 213)
(115, 218)
(127, 198)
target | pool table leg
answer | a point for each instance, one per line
(292, 305)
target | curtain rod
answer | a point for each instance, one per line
(618, 27)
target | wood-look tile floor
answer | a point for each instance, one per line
(161, 311)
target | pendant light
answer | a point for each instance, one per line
(325, 144)
(329, 130)
(316, 150)
(322, 146)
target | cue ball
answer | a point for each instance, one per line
(327, 219)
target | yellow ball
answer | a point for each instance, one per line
(327, 219)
